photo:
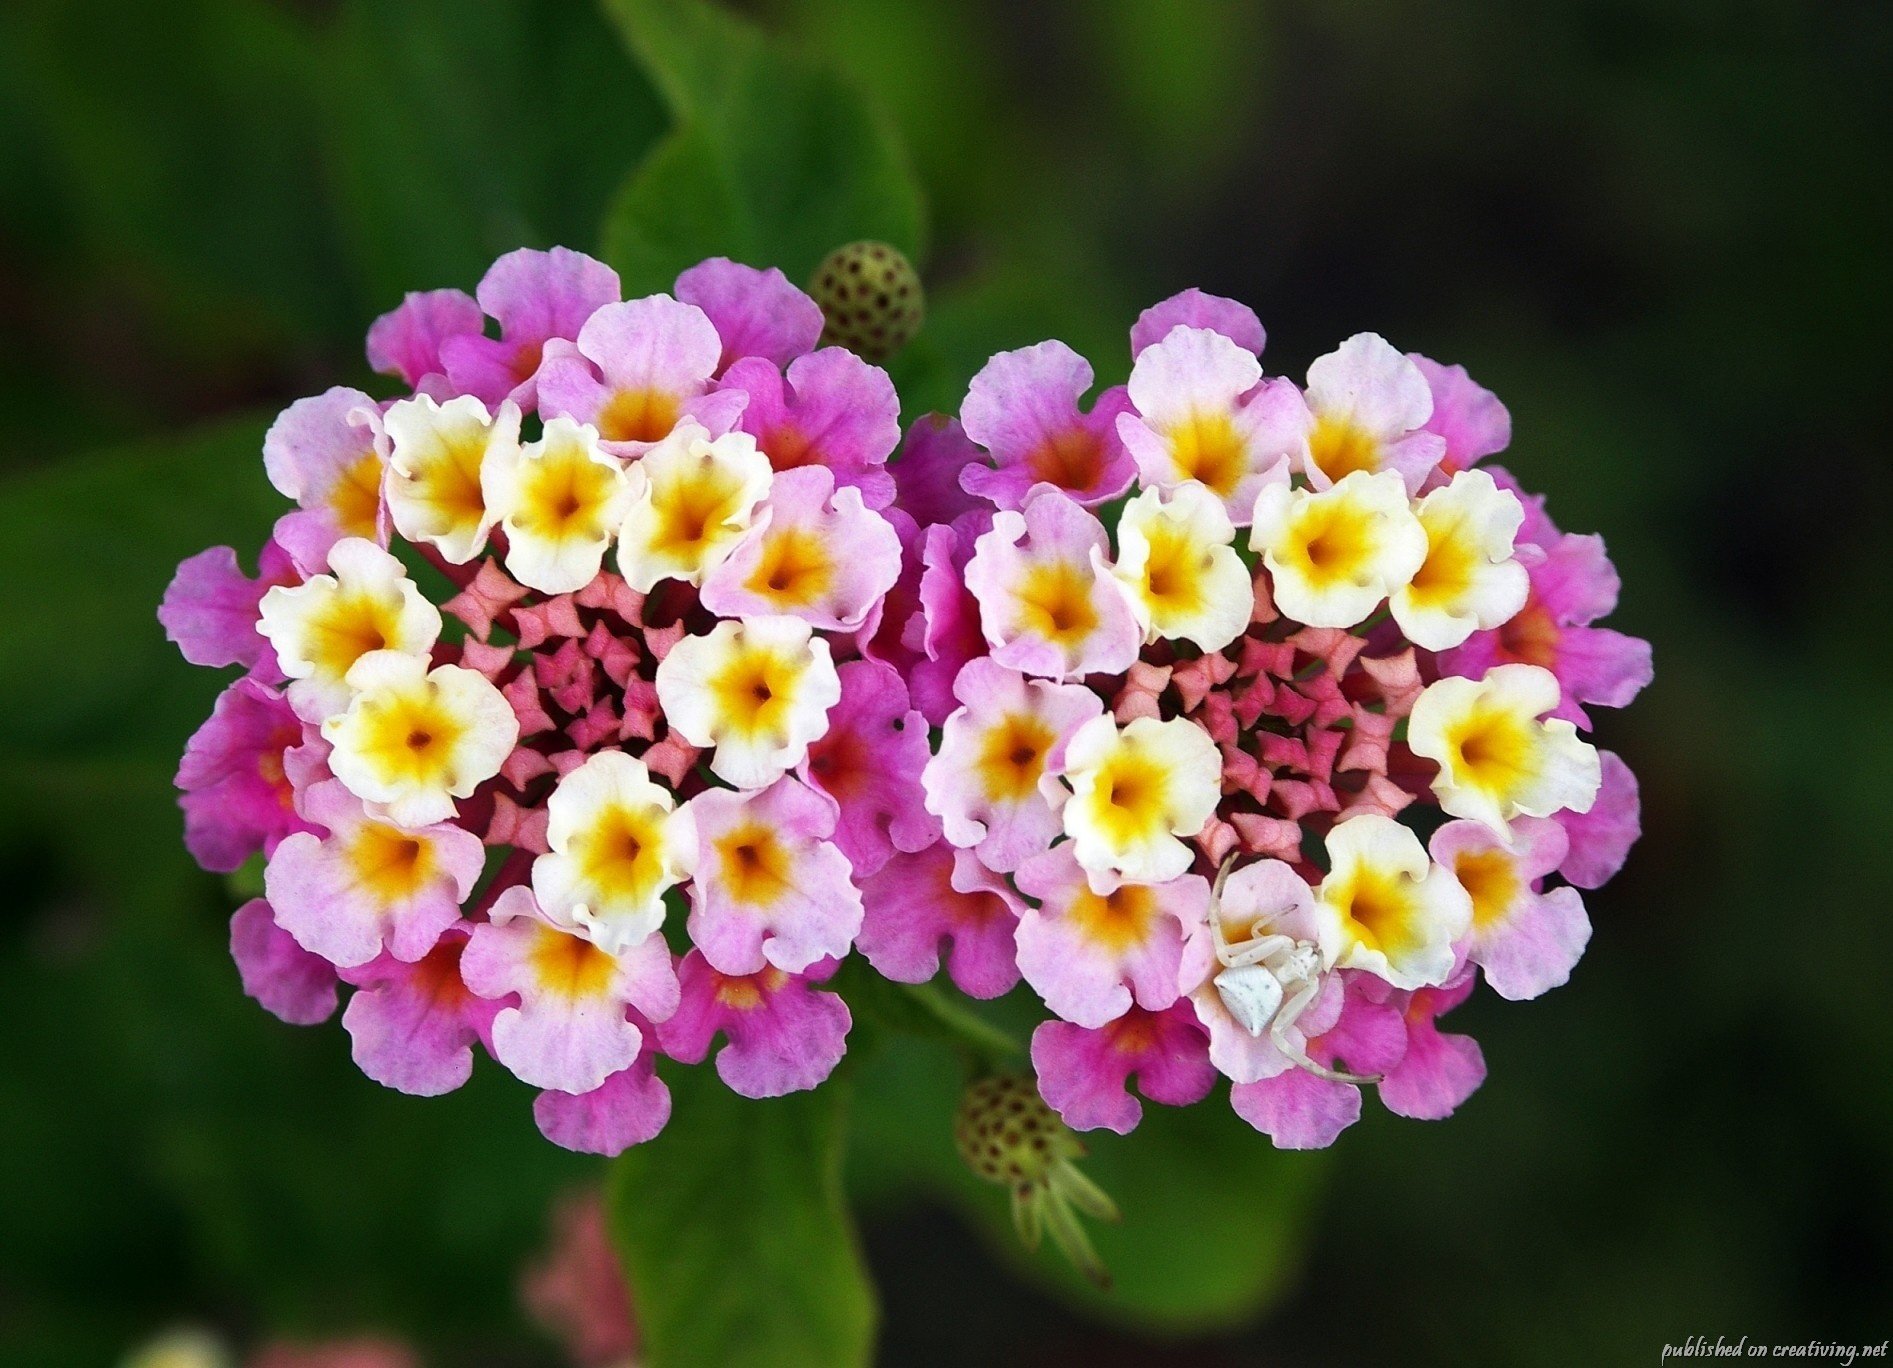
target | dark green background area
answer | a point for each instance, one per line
(1659, 229)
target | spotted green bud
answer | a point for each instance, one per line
(1007, 1135)
(871, 299)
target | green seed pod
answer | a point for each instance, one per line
(871, 299)
(1006, 1134)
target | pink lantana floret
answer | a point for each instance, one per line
(236, 792)
(571, 1028)
(289, 982)
(1091, 955)
(627, 1109)
(535, 297)
(367, 885)
(994, 782)
(1084, 1074)
(829, 409)
(869, 763)
(1299, 1110)
(1192, 308)
(772, 888)
(814, 552)
(941, 896)
(1048, 603)
(1437, 1072)
(784, 1035)
(1024, 409)
(755, 312)
(406, 341)
(413, 1026)
(1526, 941)
(634, 371)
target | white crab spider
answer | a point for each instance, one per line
(1268, 980)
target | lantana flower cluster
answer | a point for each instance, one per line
(610, 685)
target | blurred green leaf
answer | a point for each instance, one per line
(91, 544)
(461, 129)
(776, 158)
(735, 1235)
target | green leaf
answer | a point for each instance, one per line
(735, 1235)
(776, 159)
(460, 129)
(90, 545)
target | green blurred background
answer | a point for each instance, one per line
(1658, 228)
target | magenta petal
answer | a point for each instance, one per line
(869, 762)
(406, 341)
(1438, 1073)
(413, 1026)
(756, 312)
(1297, 1110)
(236, 797)
(626, 1109)
(210, 610)
(1082, 1074)
(927, 471)
(290, 983)
(940, 895)
(784, 1035)
(1468, 416)
(1601, 838)
(1024, 408)
(1194, 309)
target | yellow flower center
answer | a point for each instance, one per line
(1492, 749)
(1339, 448)
(1330, 542)
(689, 508)
(411, 736)
(449, 482)
(347, 627)
(1055, 602)
(1445, 575)
(1130, 800)
(570, 966)
(1206, 447)
(1012, 757)
(754, 691)
(356, 498)
(563, 496)
(621, 852)
(757, 867)
(389, 863)
(794, 570)
(1173, 572)
(1491, 878)
(639, 415)
(1377, 909)
(1116, 920)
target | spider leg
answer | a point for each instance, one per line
(1285, 1018)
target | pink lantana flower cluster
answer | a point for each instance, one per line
(561, 645)
(1256, 772)
(609, 686)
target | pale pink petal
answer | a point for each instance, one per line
(1194, 309)
(832, 409)
(407, 341)
(756, 312)
(1024, 408)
